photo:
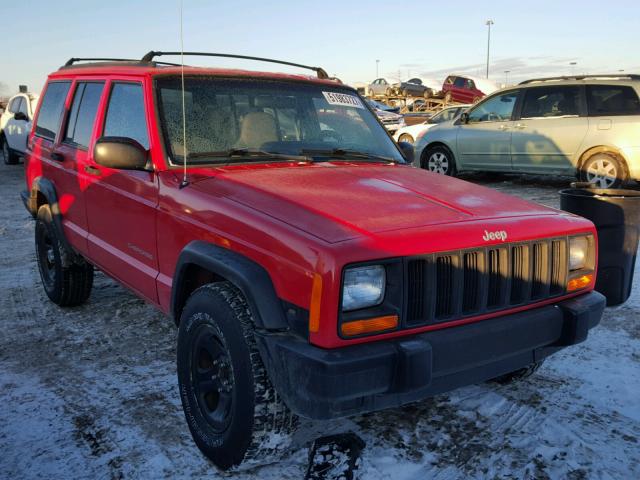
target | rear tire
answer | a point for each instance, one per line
(604, 170)
(10, 158)
(66, 283)
(439, 159)
(232, 410)
(519, 374)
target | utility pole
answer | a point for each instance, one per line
(488, 24)
(377, 64)
(506, 77)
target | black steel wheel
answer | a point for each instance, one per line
(231, 408)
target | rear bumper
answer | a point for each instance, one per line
(322, 384)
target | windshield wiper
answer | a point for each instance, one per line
(346, 153)
(247, 154)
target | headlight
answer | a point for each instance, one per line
(578, 253)
(402, 122)
(363, 287)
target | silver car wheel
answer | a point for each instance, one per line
(602, 172)
(438, 163)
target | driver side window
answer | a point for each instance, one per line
(495, 109)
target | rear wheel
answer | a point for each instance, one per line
(439, 159)
(232, 410)
(10, 158)
(604, 170)
(405, 137)
(65, 282)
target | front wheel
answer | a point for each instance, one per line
(232, 410)
(10, 158)
(440, 160)
(603, 170)
(405, 137)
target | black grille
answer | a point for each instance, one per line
(472, 282)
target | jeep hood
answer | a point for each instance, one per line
(341, 201)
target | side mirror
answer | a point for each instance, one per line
(407, 151)
(464, 118)
(120, 152)
(21, 116)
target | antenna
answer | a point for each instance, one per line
(185, 181)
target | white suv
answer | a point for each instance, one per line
(15, 125)
(589, 125)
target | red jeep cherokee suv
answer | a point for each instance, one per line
(311, 271)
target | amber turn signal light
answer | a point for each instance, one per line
(316, 300)
(370, 325)
(579, 282)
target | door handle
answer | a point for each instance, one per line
(520, 126)
(503, 127)
(57, 156)
(92, 170)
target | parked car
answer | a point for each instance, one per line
(310, 270)
(15, 125)
(587, 125)
(466, 89)
(379, 88)
(410, 133)
(412, 88)
(382, 106)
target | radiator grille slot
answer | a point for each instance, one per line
(472, 282)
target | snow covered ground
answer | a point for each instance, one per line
(90, 392)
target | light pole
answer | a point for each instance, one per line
(377, 63)
(506, 77)
(488, 24)
(573, 66)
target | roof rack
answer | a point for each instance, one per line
(582, 77)
(71, 63)
(319, 71)
(73, 60)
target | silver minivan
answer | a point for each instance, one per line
(587, 125)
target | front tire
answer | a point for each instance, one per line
(604, 170)
(405, 137)
(10, 158)
(439, 159)
(231, 408)
(67, 283)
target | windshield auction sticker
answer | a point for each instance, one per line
(342, 99)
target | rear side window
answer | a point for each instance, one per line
(23, 106)
(460, 82)
(125, 113)
(612, 100)
(15, 104)
(51, 108)
(551, 102)
(83, 113)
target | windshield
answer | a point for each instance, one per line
(232, 119)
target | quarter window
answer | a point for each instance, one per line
(551, 102)
(125, 114)
(15, 104)
(612, 100)
(495, 109)
(83, 113)
(22, 107)
(50, 114)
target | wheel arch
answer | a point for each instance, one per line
(202, 262)
(591, 151)
(436, 143)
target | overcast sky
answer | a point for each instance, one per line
(410, 38)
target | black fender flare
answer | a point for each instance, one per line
(251, 278)
(47, 189)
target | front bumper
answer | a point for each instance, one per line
(323, 384)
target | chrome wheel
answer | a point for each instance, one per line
(438, 163)
(602, 172)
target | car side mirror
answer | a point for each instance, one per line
(407, 151)
(464, 118)
(120, 152)
(21, 116)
